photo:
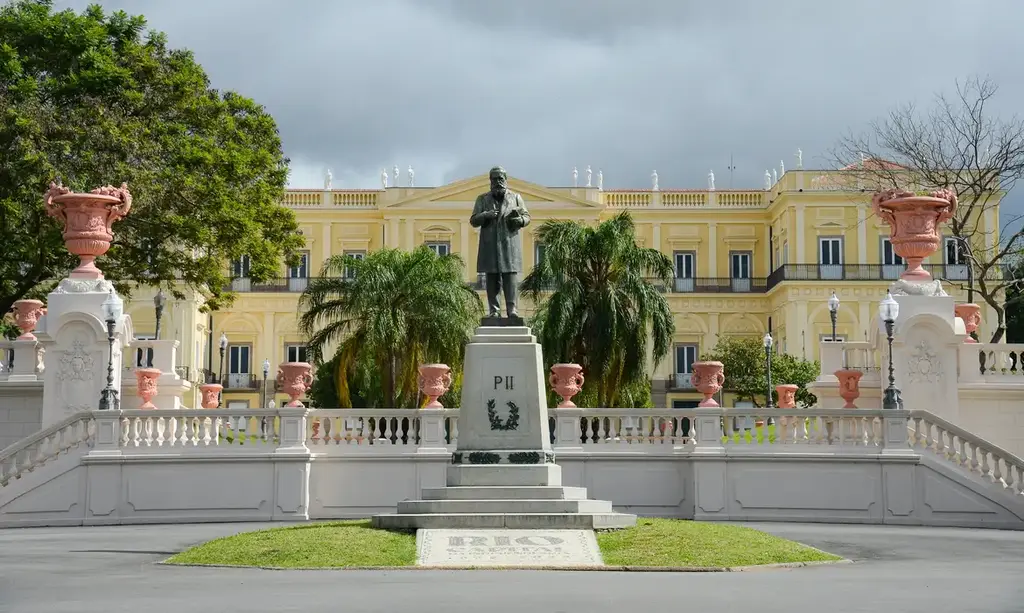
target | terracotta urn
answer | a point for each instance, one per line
(434, 381)
(971, 314)
(87, 222)
(787, 395)
(294, 378)
(211, 395)
(914, 224)
(146, 378)
(567, 381)
(708, 378)
(849, 385)
(26, 316)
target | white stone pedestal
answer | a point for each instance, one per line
(74, 337)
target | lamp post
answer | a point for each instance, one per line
(220, 371)
(266, 375)
(158, 304)
(888, 311)
(833, 312)
(768, 364)
(113, 308)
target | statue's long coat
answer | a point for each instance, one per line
(501, 245)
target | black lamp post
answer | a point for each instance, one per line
(158, 304)
(113, 308)
(768, 363)
(888, 311)
(220, 371)
(833, 312)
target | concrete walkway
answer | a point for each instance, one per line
(109, 570)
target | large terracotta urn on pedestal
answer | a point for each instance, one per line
(210, 395)
(294, 378)
(146, 379)
(971, 314)
(434, 381)
(708, 378)
(567, 381)
(914, 224)
(87, 222)
(26, 316)
(849, 385)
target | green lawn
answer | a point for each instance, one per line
(673, 542)
(653, 542)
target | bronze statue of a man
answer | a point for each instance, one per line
(500, 214)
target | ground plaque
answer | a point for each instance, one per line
(512, 548)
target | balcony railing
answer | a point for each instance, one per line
(860, 272)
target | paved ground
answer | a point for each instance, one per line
(905, 570)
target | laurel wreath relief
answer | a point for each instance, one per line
(496, 423)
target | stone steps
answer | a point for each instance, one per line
(568, 521)
(448, 507)
(500, 492)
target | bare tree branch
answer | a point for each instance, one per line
(958, 145)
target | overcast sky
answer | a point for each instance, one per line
(453, 87)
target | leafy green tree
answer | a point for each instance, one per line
(95, 99)
(385, 315)
(603, 311)
(746, 370)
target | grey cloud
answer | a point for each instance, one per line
(453, 87)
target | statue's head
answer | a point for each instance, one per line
(499, 181)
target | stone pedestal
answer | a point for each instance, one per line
(74, 338)
(503, 472)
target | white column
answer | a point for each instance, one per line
(862, 234)
(800, 222)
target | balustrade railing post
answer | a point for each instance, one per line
(568, 435)
(431, 433)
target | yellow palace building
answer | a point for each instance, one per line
(746, 262)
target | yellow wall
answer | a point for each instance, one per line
(710, 224)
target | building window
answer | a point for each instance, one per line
(956, 264)
(295, 353)
(892, 264)
(685, 356)
(356, 255)
(440, 248)
(830, 257)
(739, 270)
(239, 366)
(686, 266)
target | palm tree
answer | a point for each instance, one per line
(387, 314)
(603, 311)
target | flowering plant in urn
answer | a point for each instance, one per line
(434, 380)
(567, 381)
(26, 316)
(708, 378)
(87, 221)
(914, 224)
(294, 378)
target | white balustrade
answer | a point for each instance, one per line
(994, 465)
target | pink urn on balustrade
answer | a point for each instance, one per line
(26, 316)
(294, 378)
(787, 395)
(211, 395)
(87, 221)
(914, 224)
(708, 378)
(971, 314)
(849, 385)
(567, 381)
(146, 379)
(433, 382)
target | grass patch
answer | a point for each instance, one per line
(335, 544)
(675, 542)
